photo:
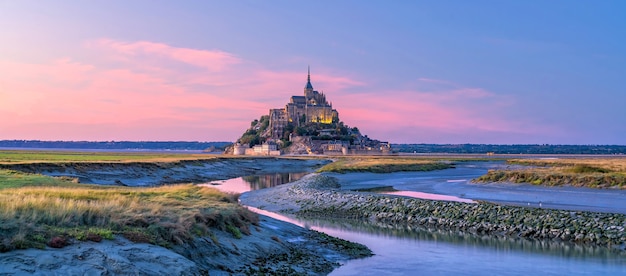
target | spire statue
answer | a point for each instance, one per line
(308, 80)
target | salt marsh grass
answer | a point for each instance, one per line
(26, 156)
(581, 172)
(33, 216)
(616, 164)
(383, 164)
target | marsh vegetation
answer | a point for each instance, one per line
(26, 156)
(378, 164)
(579, 172)
(37, 210)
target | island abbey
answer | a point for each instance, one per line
(307, 124)
(310, 108)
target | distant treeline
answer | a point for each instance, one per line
(114, 145)
(510, 149)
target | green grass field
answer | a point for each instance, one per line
(20, 156)
(15, 179)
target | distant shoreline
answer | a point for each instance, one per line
(181, 151)
(406, 154)
(409, 148)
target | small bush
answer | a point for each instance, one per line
(234, 231)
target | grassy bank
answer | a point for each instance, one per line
(16, 179)
(36, 210)
(383, 165)
(26, 156)
(582, 172)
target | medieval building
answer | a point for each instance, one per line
(307, 124)
(310, 108)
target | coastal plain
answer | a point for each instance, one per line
(235, 240)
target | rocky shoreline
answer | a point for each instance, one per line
(273, 248)
(319, 196)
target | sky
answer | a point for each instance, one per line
(450, 71)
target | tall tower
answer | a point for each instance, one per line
(308, 88)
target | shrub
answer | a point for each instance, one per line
(234, 231)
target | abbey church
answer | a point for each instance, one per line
(307, 124)
(310, 108)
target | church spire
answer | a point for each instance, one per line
(308, 80)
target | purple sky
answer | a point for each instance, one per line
(503, 72)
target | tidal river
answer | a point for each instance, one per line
(421, 252)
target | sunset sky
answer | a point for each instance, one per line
(497, 72)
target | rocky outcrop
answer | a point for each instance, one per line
(109, 257)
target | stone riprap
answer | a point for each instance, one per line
(318, 196)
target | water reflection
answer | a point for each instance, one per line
(403, 250)
(385, 231)
(382, 232)
(254, 182)
(270, 180)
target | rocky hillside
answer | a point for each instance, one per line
(305, 138)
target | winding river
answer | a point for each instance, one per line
(423, 252)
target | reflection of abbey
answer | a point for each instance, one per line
(310, 108)
(307, 124)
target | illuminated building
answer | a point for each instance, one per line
(310, 108)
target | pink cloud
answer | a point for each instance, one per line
(154, 91)
(68, 99)
(130, 90)
(214, 60)
(389, 114)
